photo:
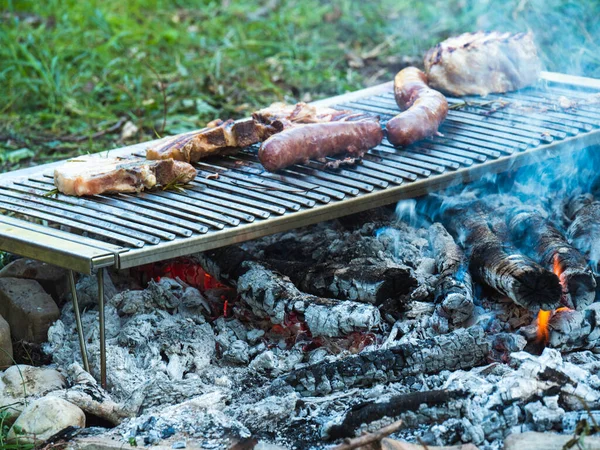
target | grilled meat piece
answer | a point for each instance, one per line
(102, 175)
(225, 137)
(300, 143)
(483, 62)
(220, 137)
(300, 113)
(424, 109)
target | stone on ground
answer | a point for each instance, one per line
(21, 383)
(43, 418)
(53, 279)
(27, 308)
(6, 349)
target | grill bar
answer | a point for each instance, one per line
(233, 199)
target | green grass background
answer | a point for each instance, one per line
(71, 68)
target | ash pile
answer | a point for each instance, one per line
(470, 316)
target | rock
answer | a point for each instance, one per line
(27, 308)
(6, 349)
(20, 383)
(43, 418)
(33, 380)
(54, 279)
(547, 441)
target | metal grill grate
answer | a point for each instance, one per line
(233, 199)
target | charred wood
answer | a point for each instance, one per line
(454, 289)
(273, 296)
(366, 413)
(575, 330)
(584, 230)
(460, 349)
(543, 242)
(493, 262)
(365, 280)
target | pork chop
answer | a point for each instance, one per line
(110, 175)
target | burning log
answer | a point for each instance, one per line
(496, 264)
(463, 348)
(454, 289)
(584, 230)
(365, 280)
(546, 244)
(271, 295)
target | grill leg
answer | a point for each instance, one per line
(84, 356)
(102, 335)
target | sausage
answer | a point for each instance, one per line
(316, 141)
(423, 108)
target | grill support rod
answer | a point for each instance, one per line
(102, 329)
(82, 346)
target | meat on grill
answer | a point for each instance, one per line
(104, 175)
(483, 62)
(300, 113)
(423, 109)
(300, 143)
(224, 137)
(218, 138)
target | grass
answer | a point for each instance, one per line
(69, 69)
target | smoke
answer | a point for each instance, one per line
(566, 33)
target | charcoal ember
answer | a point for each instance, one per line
(270, 295)
(571, 419)
(268, 413)
(545, 416)
(365, 280)
(167, 294)
(460, 349)
(545, 243)
(571, 329)
(504, 344)
(273, 296)
(454, 290)
(375, 410)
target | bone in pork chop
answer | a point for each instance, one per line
(483, 62)
(104, 175)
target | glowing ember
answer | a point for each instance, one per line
(556, 268)
(186, 269)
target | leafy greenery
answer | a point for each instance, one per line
(5, 425)
(70, 69)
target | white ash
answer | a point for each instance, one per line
(212, 381)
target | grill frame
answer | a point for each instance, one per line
(480, 151)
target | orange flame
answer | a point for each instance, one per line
(556, 268)
(543, 332)
(543, 318)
